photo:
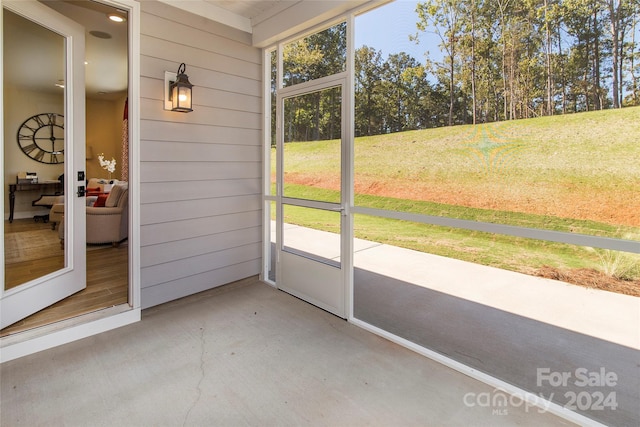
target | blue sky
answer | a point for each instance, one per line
(388, 27)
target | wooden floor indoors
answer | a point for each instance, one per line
(107, 280)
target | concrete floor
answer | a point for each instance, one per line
(244, 354)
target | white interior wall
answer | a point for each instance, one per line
(104, 135)
(200, 172)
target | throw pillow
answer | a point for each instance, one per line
(101, 201)
(114, 196)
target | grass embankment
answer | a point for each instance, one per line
(577, 173)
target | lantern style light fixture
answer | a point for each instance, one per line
(180, 92)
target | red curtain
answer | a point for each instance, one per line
(125, 143)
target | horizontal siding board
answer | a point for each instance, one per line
(156, 151)
(233, 101)
(173, 270)
(172, 131)
(155, 194)
(153, 109)
(169, 291)
(203, 96)
(169, 50)
(163, 28)
(200, 173)
(171, 251)
(154, 68)
(187, 229)
(192, 171)
(159, 213)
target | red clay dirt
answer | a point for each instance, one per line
(621, 208)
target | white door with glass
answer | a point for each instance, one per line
(310, 218)
(24, 299)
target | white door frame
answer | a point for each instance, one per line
(32, 341)
(347, 80)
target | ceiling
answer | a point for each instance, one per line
(240, 14)
(34, 56)
(271, 20)
(249, 8)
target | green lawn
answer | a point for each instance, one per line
(588, 149)
(601, 146)
(577, 173)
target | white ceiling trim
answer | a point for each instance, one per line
(213, 12)
(277, 8)
(303, 15)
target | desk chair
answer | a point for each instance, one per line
(47, 201)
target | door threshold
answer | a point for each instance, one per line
(54, 334)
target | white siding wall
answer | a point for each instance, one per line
(201, 171)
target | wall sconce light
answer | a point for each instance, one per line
(177, 95)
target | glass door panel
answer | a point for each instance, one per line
(32, 248)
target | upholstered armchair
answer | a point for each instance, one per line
(94, 186)
(100, 185)
(109, 223)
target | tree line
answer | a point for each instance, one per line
(501, 60)
(510, 59)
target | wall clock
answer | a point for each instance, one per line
(41, 137)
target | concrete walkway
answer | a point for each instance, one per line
(600, 314)
(506, 324)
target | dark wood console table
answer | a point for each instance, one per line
(42, 187)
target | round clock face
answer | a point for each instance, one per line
(41, 137)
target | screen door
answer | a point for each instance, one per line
(310, 210)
